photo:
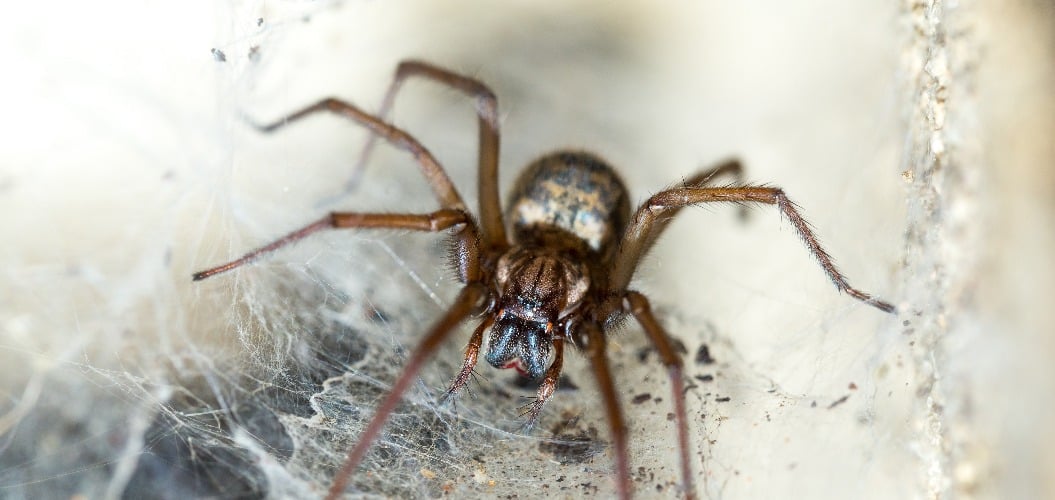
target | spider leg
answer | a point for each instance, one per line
(548, 385)
(732, 168)
(491, 225)
(434, 173)
(640, 231)
(431, 222)
(465, 303)
(472, 353)
(595, 345)
(637, 305)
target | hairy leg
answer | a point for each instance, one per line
(548, 385)
(434, 173)
(639, 232)
(465, 303)
(432, 222)
(491, 225)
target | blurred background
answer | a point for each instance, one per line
(916, 137)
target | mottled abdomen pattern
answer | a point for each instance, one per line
(571, 192)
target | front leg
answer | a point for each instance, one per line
(646, 221)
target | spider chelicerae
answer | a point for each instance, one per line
(553, 270)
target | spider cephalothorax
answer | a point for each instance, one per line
(539, 289)
(563, 275)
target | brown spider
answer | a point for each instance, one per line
(561, 277)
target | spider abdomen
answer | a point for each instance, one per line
(570, 192)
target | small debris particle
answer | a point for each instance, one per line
(703, 355)
(839, 401)
(259, 21)
(218, 55)
(853, 386)
(704, 378)
(641, 398)
(670, 417)
(428, 474)
(254, 53)
(723, 399)
(589, 487)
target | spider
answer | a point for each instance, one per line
(554, 269)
